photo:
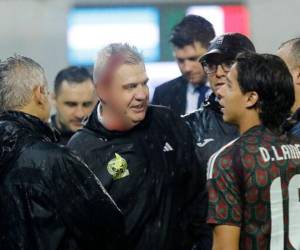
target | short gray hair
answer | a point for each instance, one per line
(18, 76)
(128, 53)
(293, 46)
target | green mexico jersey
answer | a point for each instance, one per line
(254, 183)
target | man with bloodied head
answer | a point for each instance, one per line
(144, 155)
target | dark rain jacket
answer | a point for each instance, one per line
(49, 199)
(209, 129)
(153, 175)
(63, 134)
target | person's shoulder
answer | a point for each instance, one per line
(295, 130)
(196, 115)
(82, 137)
(162, 112)
(168, 119)
(202, 118)
(254, 137)
(223, 155)
(44, 150)
(37, 161)
(166, 86)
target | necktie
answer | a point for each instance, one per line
(202, 91)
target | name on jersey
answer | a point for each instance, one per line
(284, 152)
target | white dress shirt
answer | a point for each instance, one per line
(192, 98)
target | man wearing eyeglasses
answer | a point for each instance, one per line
(207, 124)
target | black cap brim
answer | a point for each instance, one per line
(211, 54)
(216, 54)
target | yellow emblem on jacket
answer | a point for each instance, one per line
(117, 167)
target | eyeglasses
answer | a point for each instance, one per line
(211, 67)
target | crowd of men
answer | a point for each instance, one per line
(212, 163)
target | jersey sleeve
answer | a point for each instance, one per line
(224, 189)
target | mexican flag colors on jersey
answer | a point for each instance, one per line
(254, 183)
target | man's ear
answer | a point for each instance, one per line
(38, 95)
(102, 91)
(251, 99)
(297, 75)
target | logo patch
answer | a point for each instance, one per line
(117, 167)
(167, 147)
(205, 141)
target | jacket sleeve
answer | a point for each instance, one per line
(84, 204)
(198, 231)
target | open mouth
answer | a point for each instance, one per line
(221, 107)
(219, 84)
(139, 108)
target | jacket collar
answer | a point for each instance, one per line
(93, 123)
(63, 132)
(213, 103)
(30, 123)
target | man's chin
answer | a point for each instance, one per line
(137, 118)
(227, 119)
(195, 81)
(74, 129)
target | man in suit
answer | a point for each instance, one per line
(190, 39)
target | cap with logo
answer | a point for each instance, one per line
(227, 46)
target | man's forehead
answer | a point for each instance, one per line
(131, 71)
(85, 88)
(285, 51)
(286, 55)
(193, 48)
(67, 85)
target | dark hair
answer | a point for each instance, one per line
(270, 78)
(72, 74)
(192, 29)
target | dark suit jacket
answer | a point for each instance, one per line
(172, 94)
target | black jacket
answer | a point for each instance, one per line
(63, 135)
(161, 189)
(209, 129)
(172, 94)
(49, 199)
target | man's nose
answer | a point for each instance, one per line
(141, 93)
(220, 71)
(187, 66)
(220, 92)
(79, 112)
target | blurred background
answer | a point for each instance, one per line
(58, 33)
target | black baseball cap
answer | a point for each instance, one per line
(227, 46)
